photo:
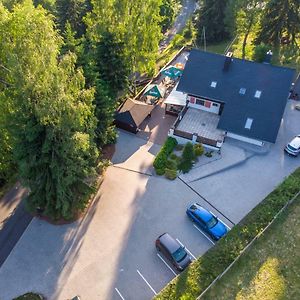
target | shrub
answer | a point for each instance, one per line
(30, 296)
(161, 158)
(260, 52)
(188, 157)
(206, 268)
(198, 149)
(188, 152)
(208, 154)
(160, 172)
(171, 174)
(171, 164)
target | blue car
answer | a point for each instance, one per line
(207, 221)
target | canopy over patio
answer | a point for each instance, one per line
(173, 71)
(154, 90)
(176, 98)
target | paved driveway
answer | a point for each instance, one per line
(111, 254)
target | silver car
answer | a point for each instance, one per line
(293, 147)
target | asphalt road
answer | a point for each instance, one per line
(13, 220)
(187, 9)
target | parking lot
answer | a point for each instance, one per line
(111, 254)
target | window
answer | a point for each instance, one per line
(200, 102)
(213, 84)
(248, 123)
(215, 104)
(257, 94)
(242, 91)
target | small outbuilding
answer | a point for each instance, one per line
(131, 114)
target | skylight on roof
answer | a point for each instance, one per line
(242, 91)
(213, 84)
(257, 94)
(248, 123)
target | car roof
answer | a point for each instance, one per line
(202, 213)
(295, 142)
(169, 242)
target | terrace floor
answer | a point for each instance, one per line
(201, 122)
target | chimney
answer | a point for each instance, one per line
(268, 57)
(228, 60)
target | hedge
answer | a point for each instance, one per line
(161, 158)
(193, 281)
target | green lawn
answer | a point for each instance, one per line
(270, 270)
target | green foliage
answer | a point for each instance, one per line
(53, 121)
(208, 154)
(171, 164)
(280, 19)
(206, 268)
(260, 52)
(160, 172)
(198, 149)
(30, 296)
(72, 12)
(111, 62)
(167, 13)
(136, 23)
(212, 17)
(188, 157)
(171, 173)
(161, 159)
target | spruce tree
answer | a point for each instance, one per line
(212, 18)
(280, 18)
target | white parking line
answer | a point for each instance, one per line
(191, 254)
(167, 265)
(229, 228)
(152, 289)
(119, 294)
(203, 234)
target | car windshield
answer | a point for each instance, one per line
(212, 222)
(179, 254)
(292, 148)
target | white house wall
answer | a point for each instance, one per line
(245, 139)
(210, 106)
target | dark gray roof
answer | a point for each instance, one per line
(274, 83)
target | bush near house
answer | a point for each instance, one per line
(161, 158)
(198, 149)
(206, 268)
(171, 173)
(188, 157)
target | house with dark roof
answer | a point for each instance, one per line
(232, 97)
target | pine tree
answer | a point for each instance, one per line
(280, 18)
(212, 18)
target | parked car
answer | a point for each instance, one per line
(207, 221)
(173, 251)
(293, 147)
(297, 106)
